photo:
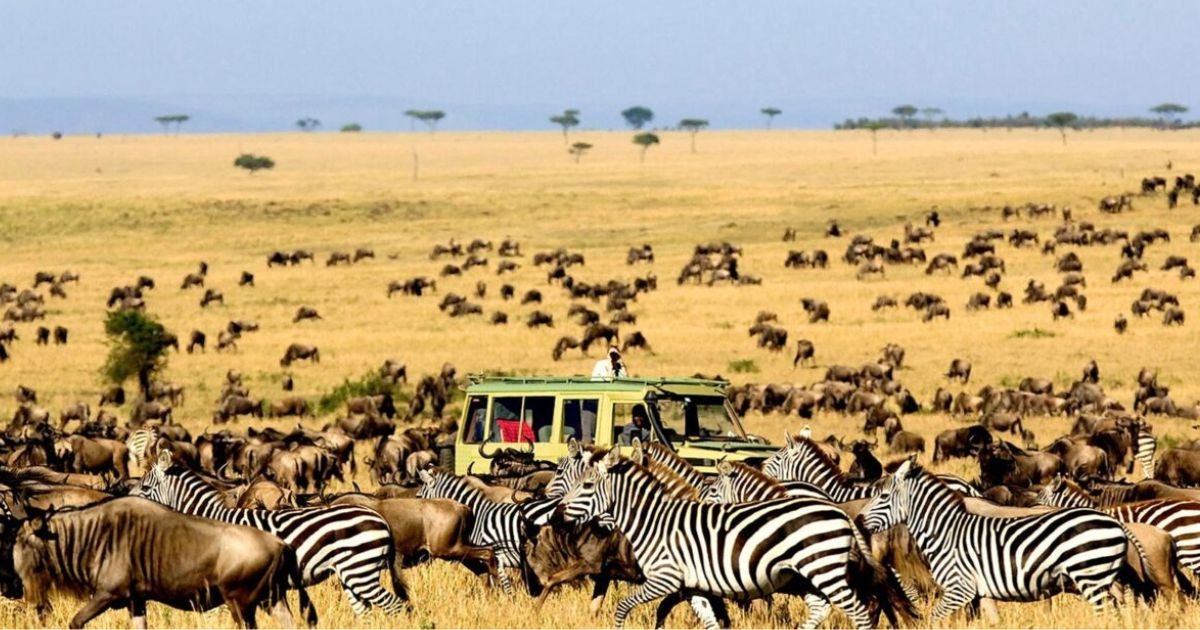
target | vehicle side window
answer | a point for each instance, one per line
(623, 425)
(507, 425)
(539, 414)
(476, 420)
(579, 420)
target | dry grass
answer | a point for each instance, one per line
(117, 207)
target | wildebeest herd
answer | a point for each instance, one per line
(272, 508)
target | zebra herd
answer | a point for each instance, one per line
(794, 526)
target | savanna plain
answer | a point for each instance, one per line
(116, 207)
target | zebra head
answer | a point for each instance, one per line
(893, 505)
(592, 495)
(1062, 493)
(157, 485)
(570, 469)
(723, 489)
(435, 484)
(774, 465)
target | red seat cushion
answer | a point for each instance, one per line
(513, 430)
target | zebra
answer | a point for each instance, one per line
(802, 460)
(497, 525)
(743, 551)
(737, 482)
(351, 542)
(139, 444)
(1180, 519)
(1144, 447)
(1008, 559)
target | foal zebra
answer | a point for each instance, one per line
(351, 542)
(1180, 519)
(1007, 559)
(738, 551)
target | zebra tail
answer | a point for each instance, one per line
(876, 586)
(398, 586)
(1140, 578)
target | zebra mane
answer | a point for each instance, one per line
(919, 471)
(1073, 489)
(758, 476)
(664, 481)
(817, 453)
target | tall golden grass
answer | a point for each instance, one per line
(117, 207)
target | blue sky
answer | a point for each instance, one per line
(493, 64)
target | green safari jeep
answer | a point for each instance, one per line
(691, 415)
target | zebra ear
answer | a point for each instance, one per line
(164, 459)
(639, 453)
(572, 448)
(426, 478)
(724, 468)
(904, 469)
(787, 439)
(613, 457)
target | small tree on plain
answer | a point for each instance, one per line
(905, 112)
(308, 124)
(569, 118)
(254, 163)
(693, 127)
(637, 116)
(137, 348)
(874, 126)
(351, 128)
(645, 140)
(1169, 112)
(165, 121)
(770, 113)
(429, 117)
(930, 113)
(578, 149)
(1062, 120)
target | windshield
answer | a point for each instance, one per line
(699, 418)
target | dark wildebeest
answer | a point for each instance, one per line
(128, 551)
(300, 351)
(959, 369)
(556, 554)
(247, 279)
(499, 318)
(306, 312)
(1178, 467)
(114, 395)
(964, 442)
(290, 406)
(235, 406)
(210, 296)
(198, 339)
(42, 336)
(60, 336)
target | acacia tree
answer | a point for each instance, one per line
(905, 112)
(429, 117)
(930, 113)
(137, 348)
(645, 140)
(578, 149)
(177, 119)
(569, 118)
(874, 126)
(770, 113)
(1062, 120)
(1169, 112)
(693, 127)
(308, 124)
(254, 163)
(637, 116)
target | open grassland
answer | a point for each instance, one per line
(117, 207)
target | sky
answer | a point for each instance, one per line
(510, 64)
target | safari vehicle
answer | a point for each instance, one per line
(691, 415)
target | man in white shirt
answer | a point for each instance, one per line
(611, 367)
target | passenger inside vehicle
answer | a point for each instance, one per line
(638, 427)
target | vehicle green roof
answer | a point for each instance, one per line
(526, 384)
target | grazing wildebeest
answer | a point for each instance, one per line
(558, 553)
(337, 258)
(247, 279)
(129, 551)
(305, 312)
(234, 406)
(60, 336)
(1173, 317)
(226, 339)
(114, 395)
(805, 351)
(1120, 324)
(959, 369)
(964, 442)
(42, 336)
(539, 318)
(210, 296)
(290, 406)
(300, 351)
(192, 280)
(197, 340)
(635, 340)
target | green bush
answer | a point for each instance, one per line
(743, 366)
(369, 384)
(253, 163)
(352, 128)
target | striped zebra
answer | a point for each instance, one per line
(139, 444)
(1144, 447)
(741, 551)
(1007, 559)
(1180, 519)
(497, 525)
(802, 460)
(740, 483)
(351, 542)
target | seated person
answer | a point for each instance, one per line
(639, 426)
